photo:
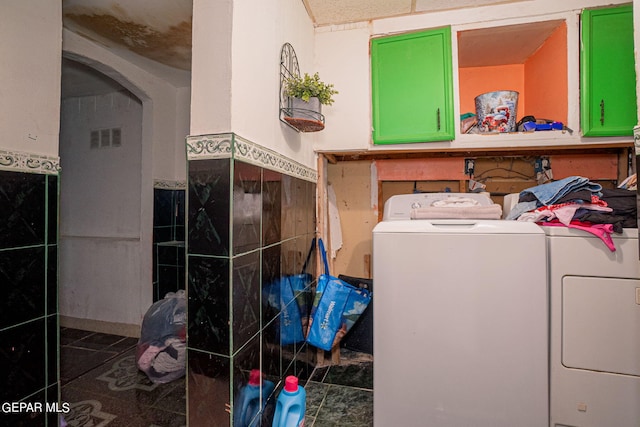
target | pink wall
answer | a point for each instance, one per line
(475, 81)
(546, 79)
(541, 81)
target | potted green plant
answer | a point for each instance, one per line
(306, 96)
(308, 87)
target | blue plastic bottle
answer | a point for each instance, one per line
(291, 404)
(248, 404)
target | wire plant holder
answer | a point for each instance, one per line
(295, 114)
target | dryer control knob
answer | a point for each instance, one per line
(415, 205)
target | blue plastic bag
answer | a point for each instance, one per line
(290, 295)
(336, 307)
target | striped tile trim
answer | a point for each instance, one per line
(27, 162)
(209, 146)
(164, 184)
(230, 145)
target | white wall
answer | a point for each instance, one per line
(166, 106)
(100, 204)
(100, 184)
(31, 43)
(340, 49)
(183, 117)
(211, 67)
(256, 76)
(123, 297)
(30, 48)
(247, 86)
(342, 58)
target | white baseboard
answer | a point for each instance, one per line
(101, 326)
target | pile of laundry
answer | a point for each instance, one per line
(161, 349)
(576, 202)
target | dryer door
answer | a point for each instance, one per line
(601, 324)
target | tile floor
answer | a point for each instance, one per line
(100, 381)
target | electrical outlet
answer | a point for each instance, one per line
(469, 166)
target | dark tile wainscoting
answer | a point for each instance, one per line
(28, 278)
(168, 238)
(250, 220)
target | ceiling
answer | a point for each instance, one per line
(160, 31)
(153, 34)
(332, 12)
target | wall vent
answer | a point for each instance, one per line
(104, 138)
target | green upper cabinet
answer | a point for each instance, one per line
(608, 79)
(412, 87)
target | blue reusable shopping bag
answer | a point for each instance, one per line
(336, 307)
(290, 295)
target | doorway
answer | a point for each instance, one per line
(101, 203)
(105, 213)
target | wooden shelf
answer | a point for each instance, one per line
(459, 150)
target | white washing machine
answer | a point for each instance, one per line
(461, 324)
(595, 329)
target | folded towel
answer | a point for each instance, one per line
(455, 202)
(549, 193)
(464, 212)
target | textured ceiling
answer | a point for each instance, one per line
(332, 12)
(510, 44)
(160, 30)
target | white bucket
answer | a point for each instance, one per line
(496, 111)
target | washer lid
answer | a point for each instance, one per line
(458, 226)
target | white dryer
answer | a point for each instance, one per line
(461, 324)
(595, 329)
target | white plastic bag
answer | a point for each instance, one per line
(161, 350)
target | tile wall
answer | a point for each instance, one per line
(250, 221)
(168, 238)
(28, 279)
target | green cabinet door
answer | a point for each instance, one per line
(412, 90)
(608, 78)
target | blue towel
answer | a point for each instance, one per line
(549, 193)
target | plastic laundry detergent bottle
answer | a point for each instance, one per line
(248, 402)
(291, 404)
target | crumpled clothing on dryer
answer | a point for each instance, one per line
(602, 231)
(555, 192)
(551, 192)
(564, 212)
